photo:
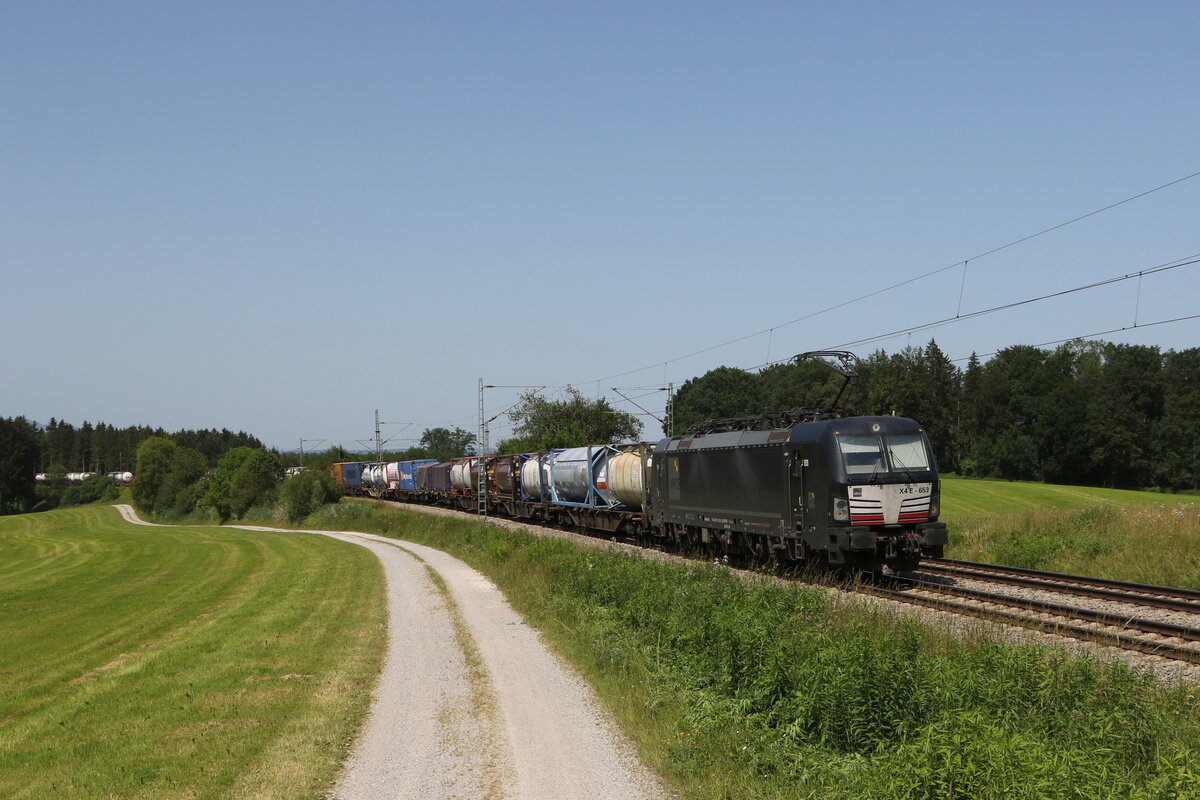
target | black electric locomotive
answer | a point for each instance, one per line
(851, 492)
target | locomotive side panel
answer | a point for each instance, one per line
(735, 489)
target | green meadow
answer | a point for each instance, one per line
(158, 662)
(1144, 537)
(966, 497)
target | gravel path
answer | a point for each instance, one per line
(471, 703)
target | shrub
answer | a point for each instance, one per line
(305, 493)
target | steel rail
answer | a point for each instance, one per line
(1168, 591)
(1113, 639)
(1121, 622)
(1076, 585)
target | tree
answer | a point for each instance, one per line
(18, 464)
(1179, 431)
(50, 491)
(254, 481)
(719, 393)
(1007, 406)
(305, 493)
(219, 495)
(574, 421)
(178, 491)
(807, 384)
(969, 422)
(444, 443)
(936, 406)
(1124, 413)
(96, 488)
(151, 471)
(1069, 375)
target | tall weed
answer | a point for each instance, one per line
(1146, 544)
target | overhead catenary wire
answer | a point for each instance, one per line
(1185, 262)
(1163, 267)
(961, 262)
(1090, 335)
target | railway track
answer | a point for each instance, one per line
(1157, 620)
(1184, 600)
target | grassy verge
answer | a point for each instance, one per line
(758, 690)
(1145, 544)
(179, 662)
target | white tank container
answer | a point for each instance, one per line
(529, 479)
(373, 477)
(460, 475)
(535, 473)
(626, 479)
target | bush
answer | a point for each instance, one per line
(254, 481)
(97, 488)
(306, 492)
(70, 497)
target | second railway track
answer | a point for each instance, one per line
(1156, 620)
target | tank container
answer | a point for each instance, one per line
(458, 475)
(464, 475)
(577, 471)
(374, 476)
(392, 474)
(503, 474)
(535, 473)
(626, 479)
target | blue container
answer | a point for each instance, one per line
(352, 472)
(407, 471)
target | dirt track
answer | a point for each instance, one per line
(471, 703)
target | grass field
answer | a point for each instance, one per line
(963, 498)
(1109, 533)
(143, 662)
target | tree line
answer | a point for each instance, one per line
(105, 448)
(58, 447)
(1085, 413)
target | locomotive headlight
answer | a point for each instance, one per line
(841, 509)
(933, 508)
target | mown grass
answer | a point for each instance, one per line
(736, 689)
(964, 498)
(179, 662)
(1134, 536)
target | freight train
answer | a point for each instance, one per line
(120, 478)
(847, 493)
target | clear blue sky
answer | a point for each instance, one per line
(279, 217)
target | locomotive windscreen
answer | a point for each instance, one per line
(864, 455)
(861, 454)
(907, 451)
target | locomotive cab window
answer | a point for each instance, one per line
(907, 452)
(861, 454)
